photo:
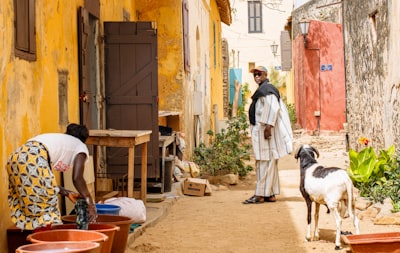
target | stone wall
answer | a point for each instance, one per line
(372, 106)
(321, 10)
(372, 50)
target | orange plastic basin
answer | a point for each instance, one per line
(107, 229)
(60, 247)
(372, 243)
(60, 235)
(120, 237)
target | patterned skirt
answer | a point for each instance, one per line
(32, 190)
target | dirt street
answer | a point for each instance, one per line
(221, 223)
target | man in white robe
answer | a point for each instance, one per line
(271, 135)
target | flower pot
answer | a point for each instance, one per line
(107, 229)
(76, 235)
(120, 237)
(371, 243)
(60, 247)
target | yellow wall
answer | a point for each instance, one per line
(168, 17)
(29, 90)
(216, 61)
(176, 87)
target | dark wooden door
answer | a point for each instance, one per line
(131, 90)
(88, 69)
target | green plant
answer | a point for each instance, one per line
(292, 114)
(227, 151)
(376, 176)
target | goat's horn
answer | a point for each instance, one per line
(296, 153)
(315, 151)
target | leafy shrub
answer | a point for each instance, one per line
(227, 151)
(292, 114)
(376, 176)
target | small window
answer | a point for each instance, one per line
(255, 16)
(25, 32)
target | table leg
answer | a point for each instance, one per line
(95, 166)
(143, 175)
(163, 167)
(131, 170)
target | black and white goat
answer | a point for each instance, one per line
(328, 186)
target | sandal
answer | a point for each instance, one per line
(254, 200)
(271, 198)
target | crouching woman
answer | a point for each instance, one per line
(33, 190)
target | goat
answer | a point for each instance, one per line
(328, 186)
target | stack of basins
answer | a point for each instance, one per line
(109, 215)
(99, 238)
(74, 237)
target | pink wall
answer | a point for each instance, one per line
(317, 90)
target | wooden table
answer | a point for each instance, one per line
(128, 139)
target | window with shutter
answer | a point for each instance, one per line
(25, 33)
(255, 16)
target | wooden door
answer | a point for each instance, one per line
(131, 90)
(88, 69)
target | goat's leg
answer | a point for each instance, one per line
(338, 221)
(355, 219)
(316, 218)
(308, 235)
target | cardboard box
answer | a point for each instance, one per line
(194, 186)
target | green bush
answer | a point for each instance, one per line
(292, 114)
(376, 176)
(228, 150)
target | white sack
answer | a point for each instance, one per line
(130, 207)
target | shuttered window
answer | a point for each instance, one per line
(255, 16)
(25, 32)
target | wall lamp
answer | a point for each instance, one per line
(274, 48)
(304, 26)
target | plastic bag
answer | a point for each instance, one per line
(130, 207)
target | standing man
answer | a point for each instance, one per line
(271, 136)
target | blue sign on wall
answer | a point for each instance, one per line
(326, 67)
(234, 74)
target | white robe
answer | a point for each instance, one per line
(272, 112)
(268, 151)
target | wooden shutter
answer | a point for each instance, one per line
(286, 51)
(25, 36)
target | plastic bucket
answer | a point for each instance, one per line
(60, 247)
(108, 209)
(120, 237)
(107, 229)
(76, 235)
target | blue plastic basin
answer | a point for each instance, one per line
(108, 209)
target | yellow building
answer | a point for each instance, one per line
(40, 71)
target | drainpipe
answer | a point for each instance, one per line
(346, 128)
(317, 114)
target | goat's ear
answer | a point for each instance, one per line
(315, 151)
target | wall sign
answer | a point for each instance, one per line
(326, 67)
